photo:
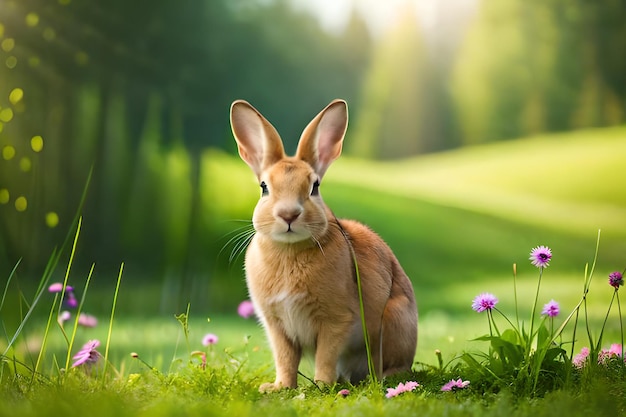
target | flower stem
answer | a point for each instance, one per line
(515, 295)
(106, 349)
(532, 313)
(621, 326)
(605, 320)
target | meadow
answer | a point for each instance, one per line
(457, 221)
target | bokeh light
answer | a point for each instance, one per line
(32, 19)
(7, 44)
(6, 115)
(5, 196)
(16, 95)
(26, 164)
(52, 219)
(36, 143)
(8, 152)
(21, 203)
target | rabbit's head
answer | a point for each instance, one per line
(290, 209)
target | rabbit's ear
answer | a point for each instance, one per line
(321, 141)
(258, 141)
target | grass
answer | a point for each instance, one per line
(457, 221)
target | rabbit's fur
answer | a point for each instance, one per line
(300, 268)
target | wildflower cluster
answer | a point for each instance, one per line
(70, 301)
(87, 355)
(538, 349)
(401, 388)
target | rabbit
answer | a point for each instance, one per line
(301, 263)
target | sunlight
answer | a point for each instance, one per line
(433, 15)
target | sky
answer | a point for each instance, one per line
(380, 14)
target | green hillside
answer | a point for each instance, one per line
(459, 220)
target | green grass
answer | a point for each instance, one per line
(457, 221)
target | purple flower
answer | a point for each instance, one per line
(88, 354)
(245, 309)
(58, 287)
(454, 385)
(580, 359)
(484, 301)
(616, 279)
(540, 256)
(70, 300)
(551, 309)
(209, 339)
(87, 320)
(402, 387)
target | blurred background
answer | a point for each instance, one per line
(478, 130)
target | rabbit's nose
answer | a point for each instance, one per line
(289, 216)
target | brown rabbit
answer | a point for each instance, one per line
(300, 268)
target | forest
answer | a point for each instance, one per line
(129, 101)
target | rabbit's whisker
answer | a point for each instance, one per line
(239, 241)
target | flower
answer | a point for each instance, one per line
(344, 392)
(540, 256)
(87, 320)
(88, 354)
(484, 301)
(58, 287)
(454, 385)
(402, 387)
(245, 309)
(580, 359)
(64, 316)
(209, 339)
(616, 279)
(551, 309)
(70, 300)
(605, 355)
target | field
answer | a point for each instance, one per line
(457, 221)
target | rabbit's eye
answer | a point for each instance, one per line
(264, 190)
(316, 188)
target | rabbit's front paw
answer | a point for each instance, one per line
(271, 387)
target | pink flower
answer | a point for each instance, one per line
(551, 309)
(64, 316)
(344, 393)
(540, 256)
(454, 385)
(485, 301)
(87, 320)
(580, 359)
(58, 287)
(245, 309)
(615, 351)
(209, 339)
(402, 387)
(88, 354)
